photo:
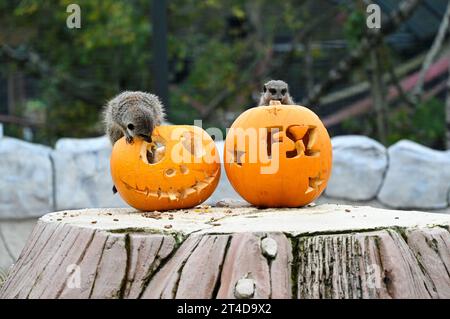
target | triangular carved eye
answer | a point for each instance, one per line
(313, 184)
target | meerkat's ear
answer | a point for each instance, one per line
(264, 88)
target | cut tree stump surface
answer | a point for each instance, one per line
(326, 251)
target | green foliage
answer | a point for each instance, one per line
(424, 124)
(210, 44)
(354, 27)
(219, 54)
(355, 22)
(215, 69)
(87, 66)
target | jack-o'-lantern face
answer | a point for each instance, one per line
(278, 155)
(179, 169)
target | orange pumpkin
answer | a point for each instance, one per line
(179, 169)
(278, 155)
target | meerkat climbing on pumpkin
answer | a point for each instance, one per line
(132, 114)
(276, 90)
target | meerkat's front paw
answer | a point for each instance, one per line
(129, 139)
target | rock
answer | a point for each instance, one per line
(230, 202)
(418, 177)
(82, 174)
(81, 145)
(269, 247)
(13, 236)
(26, 182)
(224, 188)
(322, 252)
(359, 165)
(245, 288)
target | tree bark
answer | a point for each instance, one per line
(327, 251)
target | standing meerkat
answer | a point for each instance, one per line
(133, 114)
(276, 90)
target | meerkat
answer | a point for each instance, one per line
(276, 90)
(132, 114)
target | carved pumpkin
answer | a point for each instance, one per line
(278, 155)
(179, 169)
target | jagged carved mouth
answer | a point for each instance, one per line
(154, 153)
(174, 194)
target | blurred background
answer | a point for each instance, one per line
(381, 92)
(208, 60)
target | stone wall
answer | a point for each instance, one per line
(359, 165)
(35, 179)
(82, 175)
(26, 179)
(407, 175)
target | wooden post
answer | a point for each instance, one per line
(378, 95)
(160, 56)
(447, 113)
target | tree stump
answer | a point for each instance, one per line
(327, 251)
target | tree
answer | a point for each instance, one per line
(432, 53)
(368, 42)
(74, 71)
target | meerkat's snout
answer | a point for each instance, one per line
(146, 138)
(132, 131)
(277, 95)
